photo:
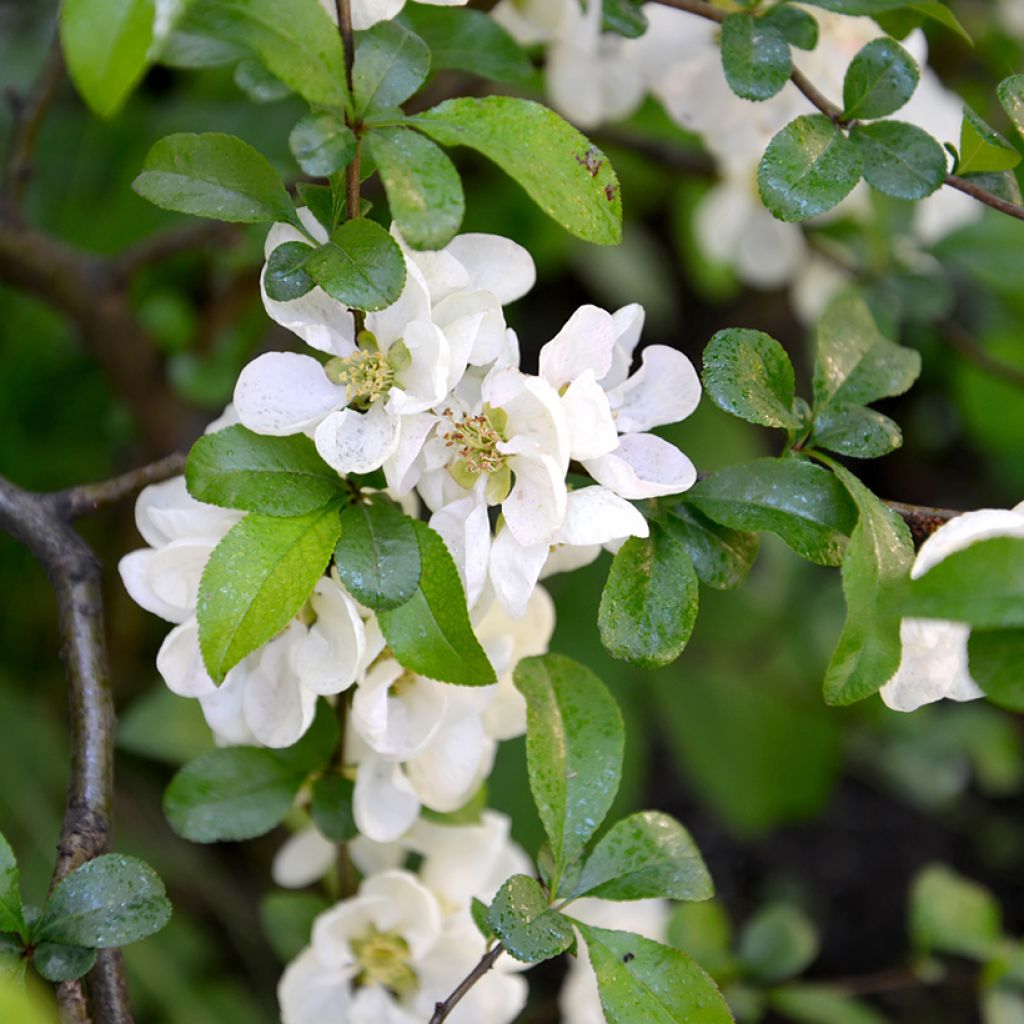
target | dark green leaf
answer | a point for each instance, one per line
(332, 808)
(996, 660)
(12, 918)
(568, 177)
(880, 79)
(808, 168)
(721, 556)
(574, 742)
(796, 26)
(431, 633)
(802, 503)
(320, 201)
(755, 57)
(362, 266)
(391, 64)
(900, 159)
(110, 901)
(1011, 96)
(934, 9)
(648, 855)
(423, 187)
(855, 431)
(528, 928)
(643, 982)
(213, 175)
(748, 374)
(952, 914)
(777, 943)
(820, 1004)
(287, 919)
(322, 143)
(57, 962)
(275, 476)
(625, 17)
(258, 83)
(285, 277)
(1002, 184)
(478, 911)
(982, 148)
(649, 604)
(378, 556)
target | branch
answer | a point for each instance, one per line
(487, 961)
(80, 501)
(922, 519)
(984, 196)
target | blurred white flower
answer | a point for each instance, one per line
(366, 13)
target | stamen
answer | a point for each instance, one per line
(366, 376)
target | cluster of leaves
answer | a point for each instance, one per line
(112, 900)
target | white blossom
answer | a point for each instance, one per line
(367, 13)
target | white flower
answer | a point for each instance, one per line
(366, 13)
(934, 660)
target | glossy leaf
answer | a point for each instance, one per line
(796, 26)
(881, 78)
(57, 962)
(755, 57)
(322, 143)
(952, 914)
(574, 743)
(285, 277)
(391, 64)
(287, 919)
(777, 943)
(528, 928)
(431, 633)
(721, 556)
(12, 915)
(855, 431)
(257, 579)
(996, 660)
(982, 148)
(808, 167)
(568, 177)
(110, 901)
(332, 808)
(624, 17)
(900, 159)
(213, 175)
(479, 911)
(1011, 95)
(378, 555)
(362, 265)
(321, 203)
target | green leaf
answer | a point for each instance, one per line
(777, 943)
(996, 659)
(287, 919)
(722, 557)
(110, 901)
(755, 57)
(574, 742)
(320, 202)
(748, 374)
(568, 177)
(855, 431)
(703, 931)
(854, 363)
(876, 571)
(362, 265)
(57, 962)
(378, 555)
(982, 585)
(880, 80)
(106, 45)
(257, 579)
(479, 910)
(643, 982)
(1011, 95)
(12, 914)
(391, 64)
(213, 175)
(332, 808)
(648, 855)
(821, 1004)
(796, 26)
(285, 277)
(625, 17)
(22, 1004)
(808, 168)
(929, 8)
(275, 476)
(231, 794)
(528, 928)
(162, 726)
(900, 159)
(982, 148)
(258, 83)
(322, 143)
(467, 40)
(431, 633)
(952, 914)
(802, 503)
(423, 187)
(649, 604)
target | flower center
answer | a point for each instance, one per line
(383, 959)
(475, 442)
(365, 375)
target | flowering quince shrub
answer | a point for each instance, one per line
(352, 564)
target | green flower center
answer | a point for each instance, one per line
(383, 959)
(365, 376)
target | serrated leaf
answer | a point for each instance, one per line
(257, 579)
(574, 743)
(796, 26)
(110, 901)
(378, 555)
(900, 160)
(391, 64)
(287, 919)
(322, 143)
(213, 175)
(12, 914)
(361, 266)
(423, 187)
(748, 374)
(755, 57)
(802, 503)
(929, 8)
(649, 603)
(528, 928)
(1011, 95)
(275, 476)
(568, 177)
(721, 556)
(320, 202)
(777, 943)
(644, 982)
(332, 808)
(285, 277)
(855, 431)
(431, 633)
(881, 78)
(57, 962)
(647, 855)
(808, 167)
(982, 148)
(952, 914)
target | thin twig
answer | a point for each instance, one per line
(959, 338)
(984, 196)
(922, 520)
(487, 961)
(79, 501)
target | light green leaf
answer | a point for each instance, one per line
(855, 431)
(755, 57)
(162, 726)
(213, 175)
(332, 808)
(258, 83)
(391, 64)
(24, 1004)
(568, 177)
(648, 855)
(287, 919)
(802, 503)
(777, 943)
(820, 1004)
(649, 603)
(1011, 95)
(378, 555)
(643, 982)
(574, 742)
(952, 914)
(110, 901)
(900, 159)
(257, 579)
(881, 78)
(362, 265)
(982, 148)
(478, 911)
(703, 931)
(12, 916)
(996, 659)
(528, 928)
(322, 143)
(275, 476)
(285, 277)
(796, 26)
(748, 374)
(57, 962)
(808, 168)
(431, 633)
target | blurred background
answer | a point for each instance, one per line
(830, 811)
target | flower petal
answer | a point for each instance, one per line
(535, 508)
(277, 707)
(424, 382)
(665, 389)
(327, 659)
(643, 466)
(933, 665)
(494, 264)
(586, 342)
(515, 569)
(304, 859)
(448, 771)
(357, 442)
(180, 662)
(466, 530)
(383, 803)
(282, 393)
(592, 430)
(596, 515)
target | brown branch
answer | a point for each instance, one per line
(984, 196)
(80, 501)
(922, 520)
(487, 961)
